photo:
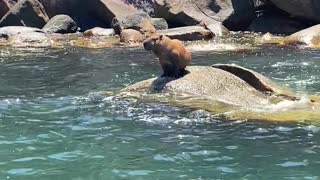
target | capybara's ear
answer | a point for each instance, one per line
(160, 37)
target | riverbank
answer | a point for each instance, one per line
(107, 23)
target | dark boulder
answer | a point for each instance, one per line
(25, 13)
(188, 33)
(140, 22)
(306, 9)
(60, 24)
(276, 24)
(4, 7)
(235, 15)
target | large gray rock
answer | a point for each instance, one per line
(308, 9)
(188, 33)
(159, 23)
(235, 15)
(106, 10)
(217, 84)
(145, 5)
(60, 24)
(140, 22)
(25, 13)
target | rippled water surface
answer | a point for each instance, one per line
(56, 124)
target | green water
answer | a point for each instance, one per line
(54, 123)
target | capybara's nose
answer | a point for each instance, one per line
(145, 45)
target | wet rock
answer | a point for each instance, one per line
(284, 24)
(140, 22)
(145, 5)
(188, 33)
(14, 30)
(216, 29)
(106, 10)
(309, 36)
(25, 13)
(159, 23)
(235, 15)
(30, 39)
(131, 36)
(60, 24)
(307, 9)
(97, 31)
(213, 83)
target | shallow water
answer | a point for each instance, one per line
(54, 123)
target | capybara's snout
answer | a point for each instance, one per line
(147, 45)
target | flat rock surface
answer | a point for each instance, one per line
(214, 83)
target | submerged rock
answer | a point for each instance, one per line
(215, 84)
(188, 33)
(25, 13)
(60, 24)
(31, 39)
(227, 90)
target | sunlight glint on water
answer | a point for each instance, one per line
(56, 124)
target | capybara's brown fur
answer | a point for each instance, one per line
(172, 54)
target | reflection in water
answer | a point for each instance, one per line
(55, 125)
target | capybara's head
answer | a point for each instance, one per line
(150, 43)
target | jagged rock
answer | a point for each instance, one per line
(4, 7)
(97, 31)
(131, 36)
(106, 10)
(60, 24)
(188, 33)
(25, 13)
(159, 23)
(235, 15)
(308, 9)
(145, 5)
(140, 22)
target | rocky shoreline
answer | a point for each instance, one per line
(106, 23)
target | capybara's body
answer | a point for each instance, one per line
(172, 54)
